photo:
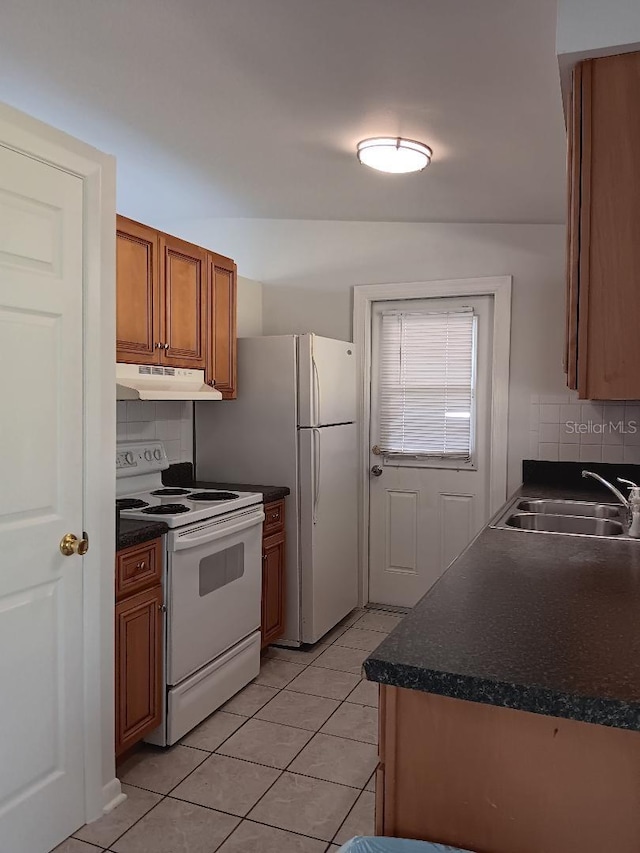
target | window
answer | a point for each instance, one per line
(427, 384)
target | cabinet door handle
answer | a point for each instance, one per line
(162, 608)
(166, 346)
(158, 345)
(212, 382)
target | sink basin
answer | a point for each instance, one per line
(556, 507)
(579, 524)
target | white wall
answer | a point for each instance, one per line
(587, 25)
(249, 308)
(287, 310)
(587, 29)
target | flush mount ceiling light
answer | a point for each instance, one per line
(394, 154)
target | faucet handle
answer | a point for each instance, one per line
(629, 483)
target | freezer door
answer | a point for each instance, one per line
(328, 527)
(327, 381)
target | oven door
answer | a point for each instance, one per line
(214, 589)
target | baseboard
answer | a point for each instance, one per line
(112, 795)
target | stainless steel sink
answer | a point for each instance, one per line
(556, 507)
(582, 525)
(574, 518)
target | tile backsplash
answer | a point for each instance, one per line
(171, 422)
(565, 429)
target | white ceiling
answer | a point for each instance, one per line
(252, 108)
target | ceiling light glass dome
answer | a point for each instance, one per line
(394, 154)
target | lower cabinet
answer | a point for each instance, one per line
(273, 573)
(486, 778)
(139, 644)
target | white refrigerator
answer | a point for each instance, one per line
(293, 424)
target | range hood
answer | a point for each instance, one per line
(152, 382)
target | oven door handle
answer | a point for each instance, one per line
(190, 540)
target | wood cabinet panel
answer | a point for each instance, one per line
(183, 288)
(603, 299)
(222, 340)
(574, 166)
(138, 666)
(610, 229)
(480, 777)
(273, 563)
(138, 568)
(273, 517)
(137, 307)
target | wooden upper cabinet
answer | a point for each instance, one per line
(183, 289)
(222, 339)
(176, 305)
(604, 242)
(136, 292)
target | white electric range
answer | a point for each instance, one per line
(212, 583)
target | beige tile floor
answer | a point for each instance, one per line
(286, 766)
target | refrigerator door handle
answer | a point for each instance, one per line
(316, 392)
(316, 472)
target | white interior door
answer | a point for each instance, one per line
(41, 459)
(424, 510)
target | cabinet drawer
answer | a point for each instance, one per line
(273, 518)
(138, 568)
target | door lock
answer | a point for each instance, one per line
(376, 471)
(70, 544)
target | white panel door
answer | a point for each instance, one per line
(327, 371)
(41, 499)
(328, 527)
(422, 514)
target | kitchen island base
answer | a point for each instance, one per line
(497, 780)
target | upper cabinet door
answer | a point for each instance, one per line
(222, 345)
(137, 303)
(183, 289)
(604, 242)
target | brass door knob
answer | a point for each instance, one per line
(70, 544)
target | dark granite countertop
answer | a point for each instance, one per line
(538, 622)
(181, 474)
(136, 532)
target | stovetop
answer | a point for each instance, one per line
(186, 507)
(141, 495)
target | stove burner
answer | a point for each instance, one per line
(213, 496)
(170, 492)
(130, 503)
(166, 509)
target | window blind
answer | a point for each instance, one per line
(426, 382)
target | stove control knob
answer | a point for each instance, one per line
(148, 456)
(128, 457)
(157, 454)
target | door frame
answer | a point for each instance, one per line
(28, 136)
(364, 297)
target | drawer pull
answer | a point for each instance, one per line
(141, 566)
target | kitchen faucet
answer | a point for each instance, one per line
(631, 504)
(610, 486)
